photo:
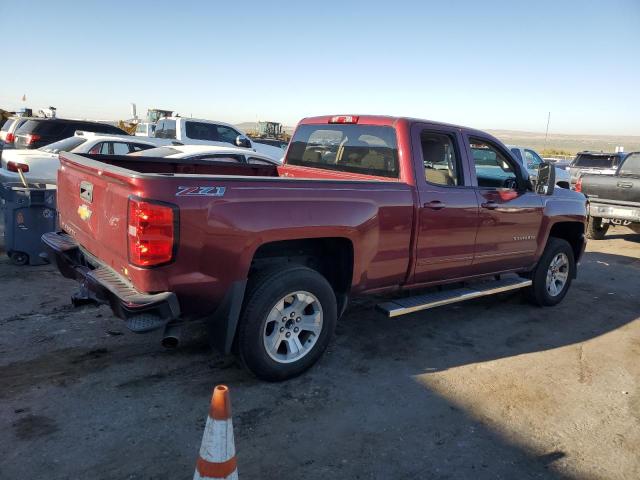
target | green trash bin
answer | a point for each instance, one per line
(29, 212)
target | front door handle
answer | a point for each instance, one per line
(625, 184)
(435, 205)
(489, 205)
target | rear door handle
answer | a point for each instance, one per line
(489, 205)
(625, 184)
(435, 205)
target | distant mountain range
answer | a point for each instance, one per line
(571, 143)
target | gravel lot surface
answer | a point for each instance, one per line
(494, 388)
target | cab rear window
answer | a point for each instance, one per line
(365, 149)
(596, 161)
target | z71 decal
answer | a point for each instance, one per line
(200, 191)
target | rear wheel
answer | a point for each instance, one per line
(596, 229)
(287, 322)
(553, 274)
(19, 258)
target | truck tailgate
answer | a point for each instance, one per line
(92, 206)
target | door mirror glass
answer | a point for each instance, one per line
(242, 141)
(546, 179)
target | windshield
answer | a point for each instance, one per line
(366, 149)
(66, 145)
(156, 152)
(589, 160)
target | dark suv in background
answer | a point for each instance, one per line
(38, 132)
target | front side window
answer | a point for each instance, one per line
(532, 159)
(136, 147)
(631, 165)
(227, 135)
(365, 149)
(441, 165)
(493, 169)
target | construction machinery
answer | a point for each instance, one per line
(269, 130)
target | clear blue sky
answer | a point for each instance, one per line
(489, 64)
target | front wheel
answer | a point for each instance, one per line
(596, 229)
(553, 274)
(287, 322)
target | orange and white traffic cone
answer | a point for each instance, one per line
(218, 451)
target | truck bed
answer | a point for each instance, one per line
(225, 212)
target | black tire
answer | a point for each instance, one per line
(263, 292)
(537, 293)
(19, 258)
(596, 230)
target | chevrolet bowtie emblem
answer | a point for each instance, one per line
(84, 212)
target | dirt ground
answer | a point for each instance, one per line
(493, 388)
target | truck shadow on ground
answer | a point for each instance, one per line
(380, 419)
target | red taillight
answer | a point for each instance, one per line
(150, 233)
(9, 138)
(578, 187)
(344, 119)
(15, 166)
(31, 138)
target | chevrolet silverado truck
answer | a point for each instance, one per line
(269, 255)
(613, 199)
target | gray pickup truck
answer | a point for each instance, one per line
(613, 199)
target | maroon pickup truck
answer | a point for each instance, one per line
(269, 255)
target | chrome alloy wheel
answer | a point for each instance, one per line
(557, 274)
(293, 327)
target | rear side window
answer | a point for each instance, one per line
(441, 165)
(42, 127)
(587, 160)
(7, 125)
(366, 149)
(97, 127)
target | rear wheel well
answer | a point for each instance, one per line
(572, 232)
(332, 257)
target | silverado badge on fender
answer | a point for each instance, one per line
(200, 191)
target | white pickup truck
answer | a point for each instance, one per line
(194, 131)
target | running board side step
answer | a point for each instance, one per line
(404, 306)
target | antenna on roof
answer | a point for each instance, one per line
(546, 133)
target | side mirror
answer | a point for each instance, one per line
(546, 182)
(242, 141)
